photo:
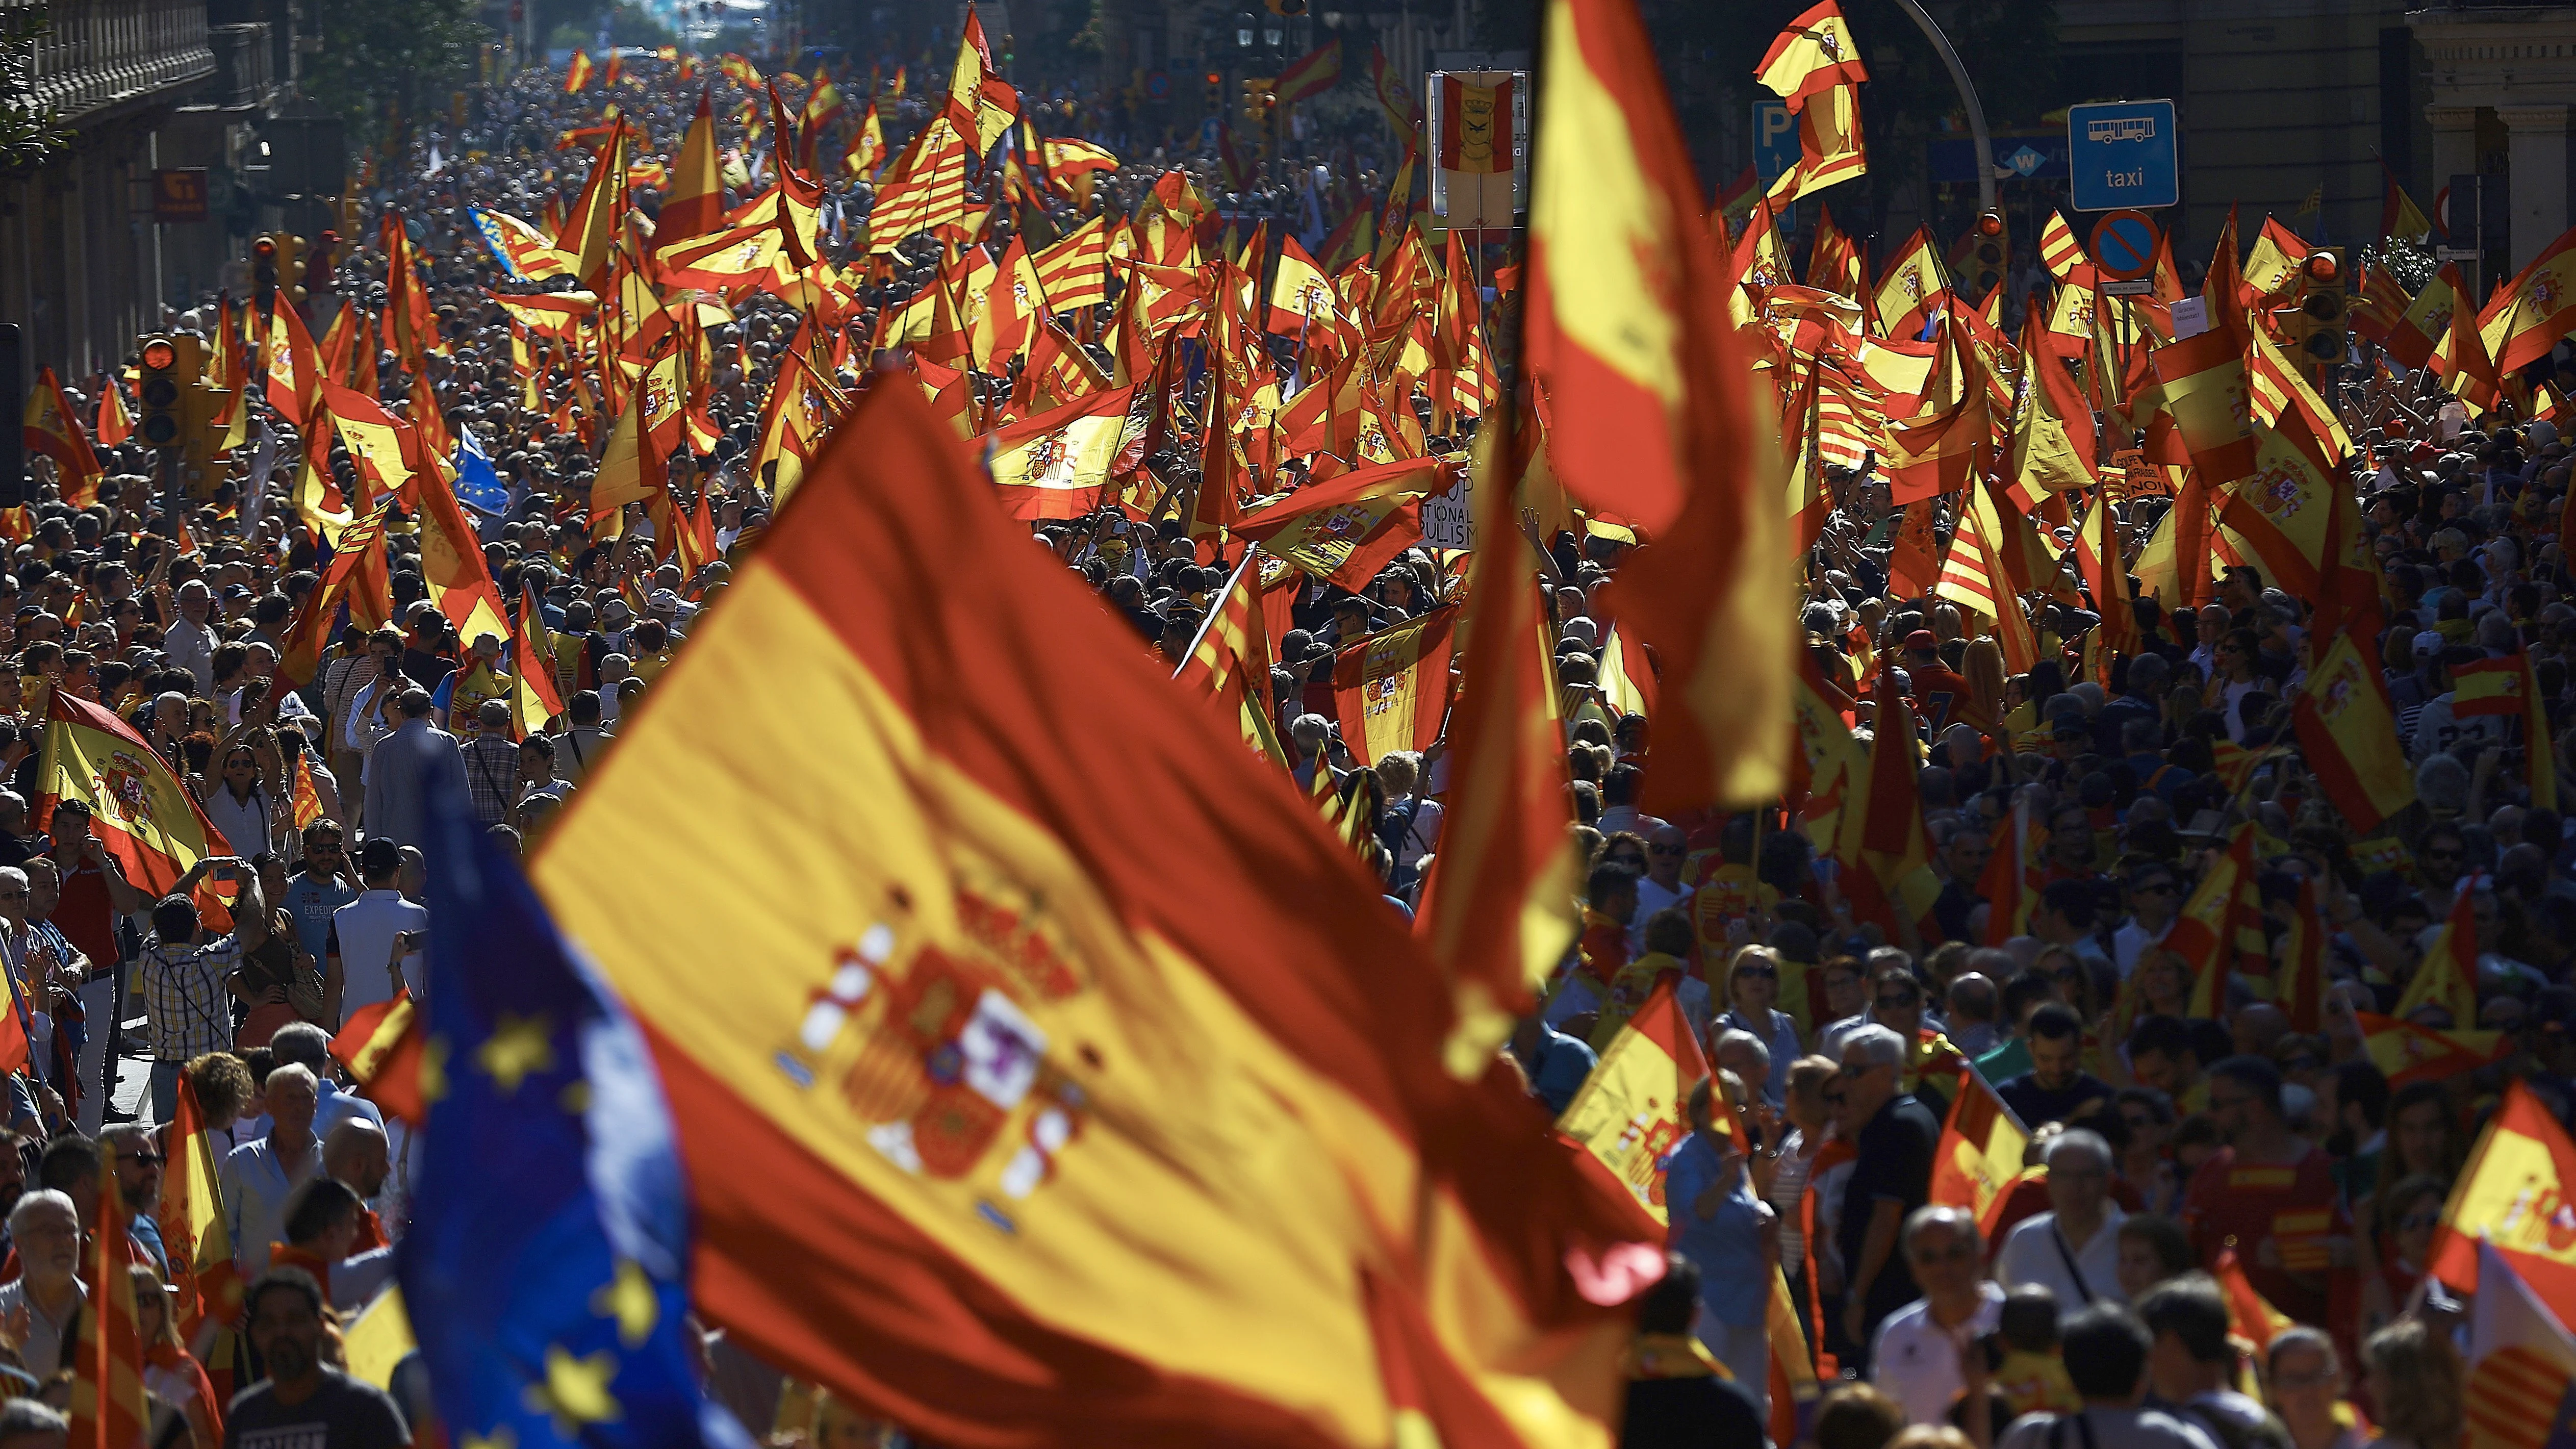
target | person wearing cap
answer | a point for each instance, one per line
(365, 932)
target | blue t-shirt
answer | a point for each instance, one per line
(311, 901)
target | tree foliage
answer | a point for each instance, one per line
(380, 60)
(30, 131)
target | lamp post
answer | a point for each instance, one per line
(1967, 95)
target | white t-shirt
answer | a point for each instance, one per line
(366, 928)
(1650, 899)
(2030, 1255)
(1916, 1361)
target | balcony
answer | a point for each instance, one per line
(106, 56)
(242, 78)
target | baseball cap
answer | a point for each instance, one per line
(379, 855)
(1922, 639)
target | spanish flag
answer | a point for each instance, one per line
(1830, 149)
(2284, 509)
(115, 424)
(2203, 378)
(385, 1049)
(48, 427)
(1978, 1162)
(1497, 911)
(2513, 1194)
(2447, 977)
(1630, 1115)
(1300, 293)
(867, 149)
(2405, 1051)
(577, 74)
(1054, 465)
(1003, 1123)
(1656, 417)
(2489, 686)
(194, 1229)
(1350, 527)
(1229, 661)
(1814, 54)
(2210, 932)
(139, 811)
(2349, 734)
(598, 215)
(1391, 689)
(2250, 1316)
(695, 203)
(2537, 309)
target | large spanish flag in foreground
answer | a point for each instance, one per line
(1654, 412)
(1979, 1158)
(138, 810)
(1008, 1131)
(2513, 1193)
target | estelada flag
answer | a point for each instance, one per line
(2447, 977)
(2349, 734)
(1632, 1112)
(2513, 1193)
(990, 1041)
(1815, 52)
(2405, 1051)
(47, 427)
(1055, 464)
(2489, 686)
(1653, 420)
(383, 1046)
(1978, 1161)
(1391, 689)
(139, 811)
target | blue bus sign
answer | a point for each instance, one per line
(2122, 154)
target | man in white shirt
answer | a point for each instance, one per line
(258, 1177)
(1915, 1357)
(2155, 899)
(2073, 1250)
(363, 932)
(1662, 888)
(189, 641)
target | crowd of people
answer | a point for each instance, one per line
(2182, 1141)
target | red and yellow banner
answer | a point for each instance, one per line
(2513, 1193)
(1391, 689)
(923, 1129)
(1978, 1161)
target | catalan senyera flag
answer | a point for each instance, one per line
(922, 1129)
(1497, 911)
(385, 1048)
(2058, 247)
(1391, 689)
(1632, 1112)
(2406, 1051)
(305, 794)
(925, 189)
(195, 1231)
(577, 74)
(1055, 465)
(1074, 272)
(48, 427)
(2447, 977)
(1653, 418)
(1352, 526)
(2513, 1194)
(139, 811)
(2521, 1362)
(108, 1404)
(2348, 732)
(1815, 53)
(1229, 661)
(1978, 1160)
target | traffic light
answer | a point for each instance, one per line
(290, 267)
(1215, 92)
(263, 269)
(2327, 318)
(1257, 98)
(1988, 254)
(160, 392)
(1286, 7)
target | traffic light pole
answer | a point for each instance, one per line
(1968, 95)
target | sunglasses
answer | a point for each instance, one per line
(1897, 1003)
(1663, 850)
(1765, 972)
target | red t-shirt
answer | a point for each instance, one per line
(2294, 1205)
(85, 917)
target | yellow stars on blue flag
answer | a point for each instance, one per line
(576, 1390)
(517, 1047)
(629, 1299)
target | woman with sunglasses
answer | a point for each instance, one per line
(1752, 984)
(248, 799)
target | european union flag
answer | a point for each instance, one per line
(478, 483)
(544, 1269)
